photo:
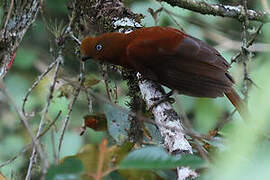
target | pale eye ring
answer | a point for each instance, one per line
(99, 47)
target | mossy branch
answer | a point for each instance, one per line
(236, 12)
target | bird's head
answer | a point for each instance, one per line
(90, 48)
(108, 47)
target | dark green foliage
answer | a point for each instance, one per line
(156, 158)
(118, 123)
(69, 169)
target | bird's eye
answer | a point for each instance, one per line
(98, 47)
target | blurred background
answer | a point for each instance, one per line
(205, 115)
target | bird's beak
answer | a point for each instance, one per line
(84, 58)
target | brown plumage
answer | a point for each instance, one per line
(170, 57)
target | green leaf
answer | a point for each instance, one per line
(157, 158)
(69, 169)
(118, 123)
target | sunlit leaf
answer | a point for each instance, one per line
(90, 81)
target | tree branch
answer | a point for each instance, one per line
(169, 124)
(235, 12)
(164, 114)
(16, 22)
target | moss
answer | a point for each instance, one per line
(136, 104)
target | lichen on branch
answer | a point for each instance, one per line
(18, 17)
(236, 12)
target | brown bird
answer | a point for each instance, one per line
(170, 57)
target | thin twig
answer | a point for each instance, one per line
(25, 123)
(59, 61)
(249, 43)
(26, 147)
(23, 150)
(70, 107)
(40, 77)
(50, 125)
(69, 31)
(171, 15)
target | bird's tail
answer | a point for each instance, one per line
(238, 103)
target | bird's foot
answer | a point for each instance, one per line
(159, 100)
(142, 78)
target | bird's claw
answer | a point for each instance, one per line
(159, 100)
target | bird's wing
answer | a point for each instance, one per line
(198, 50)
(185, 64)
